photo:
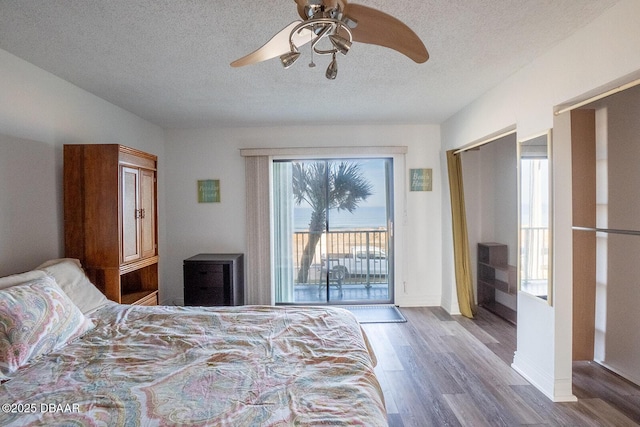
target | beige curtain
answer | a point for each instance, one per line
(258, 263)
(464, 279)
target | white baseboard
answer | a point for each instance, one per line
(423, 301)
(557, 390)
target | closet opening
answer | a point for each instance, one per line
(489, 170)
(605, 152)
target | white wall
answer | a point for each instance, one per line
(40, 112)
(598, 55)
(504, 221)
(214, 154)
(490, 180)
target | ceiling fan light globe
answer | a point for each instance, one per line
(340, 43)
(289, 58)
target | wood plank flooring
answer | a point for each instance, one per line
(442, 370)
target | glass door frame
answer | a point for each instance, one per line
(394, 165)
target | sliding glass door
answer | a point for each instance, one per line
(333, 229)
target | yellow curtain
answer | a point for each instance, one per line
(464, 279)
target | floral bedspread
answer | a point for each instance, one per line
(223, 366)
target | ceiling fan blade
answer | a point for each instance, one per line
(301, 4)
(330, 4)
(278, 45)
(379, 28)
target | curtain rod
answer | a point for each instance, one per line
(598, 97)
(324, 151)
(486, 141)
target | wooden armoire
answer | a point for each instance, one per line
(110, 219)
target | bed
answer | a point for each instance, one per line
(104, 364)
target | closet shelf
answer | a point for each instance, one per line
(496, 275)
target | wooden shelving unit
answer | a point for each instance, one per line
(496, 275)
(110, 219)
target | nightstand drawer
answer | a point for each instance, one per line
(206, 296)
(211, 276)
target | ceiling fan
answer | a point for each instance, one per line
(331, 26)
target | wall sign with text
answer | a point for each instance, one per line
(209, 191)
(420, 179)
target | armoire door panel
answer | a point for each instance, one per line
(130, 215)
(148, 214)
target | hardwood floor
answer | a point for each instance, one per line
(442, 370)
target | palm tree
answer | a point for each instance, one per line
(326, 185)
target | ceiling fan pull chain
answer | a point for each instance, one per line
(312, 64)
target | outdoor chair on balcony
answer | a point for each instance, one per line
(337, 276)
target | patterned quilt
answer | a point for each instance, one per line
(223, 366)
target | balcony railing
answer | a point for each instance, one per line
(351, 257)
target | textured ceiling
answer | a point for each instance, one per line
(168, 60)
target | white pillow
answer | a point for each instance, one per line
(36, 318)
(16, 279)
(70, 277)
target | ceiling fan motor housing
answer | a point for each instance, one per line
(321, 8)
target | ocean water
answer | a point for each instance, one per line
(363, 217)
